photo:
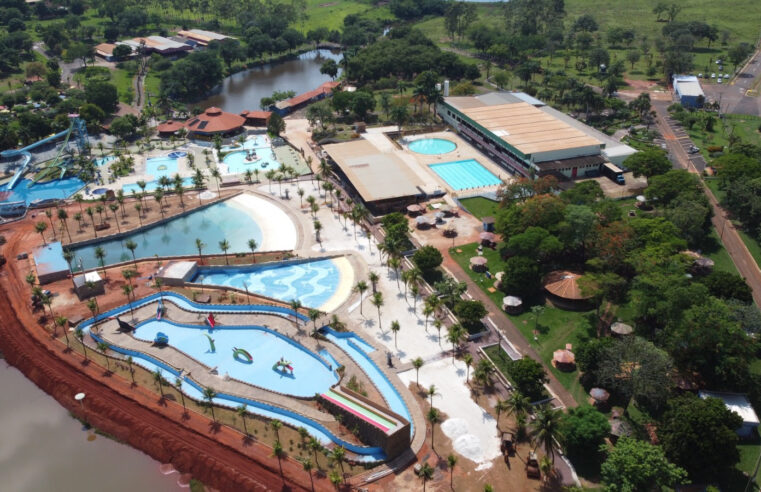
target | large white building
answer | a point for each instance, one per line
(529, 138)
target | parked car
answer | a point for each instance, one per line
(532, 466)
(713, 75)
(506, 445)
(693, 150)
(700, 75)
(719, 80)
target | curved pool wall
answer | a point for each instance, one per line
(194, 390)
(432, 146)
(176, 237)
(350, 343)
(313, 282)
(237, 164)
(312, 374)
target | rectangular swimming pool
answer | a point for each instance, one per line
(462, 175)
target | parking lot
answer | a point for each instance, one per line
(741, 94)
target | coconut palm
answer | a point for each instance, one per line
(47, 301)
(49, 215)
(63, 216)
(336, 479)
(433, 418)
(314, 446)
(545, 430)
(209, 395)
(314, 314)
(158, 379)
(78, 218)
(132, 246)
(158, 195)
(252, 245)
(242, 411)
(295, 305)
(157, 283)
(92, 305)
(438, 325)
(127, 291)
(139, 209)
(395, 327)
(394, 263)
(377, 301)
(224, 245)
(373, 278)
(432, 391)
(270, 175)
(79, 199)
(81, 337)
(63, 321)
(427, 312)
(248, 176)
(425, 473)
(308, 466)
(483, 372)
(129, 275)
(279, 453)
(216, 175)
(417, 364)
(338, 455)
(200, 245)
(300, 192)
(499, 407)
(40, 228)
(468, 360)
(114, 207)
(120, 200)
(100, 254)
(276, 426)
(99, 210)
(361, 287)
(131, 370)
(317, 228)
(31, 279)
(103, 347)
(451, 462)
(180, 191)
(315, 207)
(517, 404)
(454, 336)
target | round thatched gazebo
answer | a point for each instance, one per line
(621, 329)
(564, 290)
(478, 264)
(564, 360)
(512, 304)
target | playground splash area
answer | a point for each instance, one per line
(235, 220)
(320, 284)
(253, 355)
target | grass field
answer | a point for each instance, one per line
(743, 126)
(331, 14)
(479, 206)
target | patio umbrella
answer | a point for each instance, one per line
(422, 220)
(414, 208)
(621, 328)
(478, 260)
(511, 301)
(488, 236)
(599, 394)
(563, 356)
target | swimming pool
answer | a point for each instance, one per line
(28, 191)
(153, 185)
(255, 142)
(102, 161)
(161, 166)
(178, 236)
(311, 282)
(432, 146)
(310, 374)
(237, 162)
(461, 175)
(177, 154)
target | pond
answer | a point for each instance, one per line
(243, 91)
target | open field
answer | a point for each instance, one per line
(479, 206)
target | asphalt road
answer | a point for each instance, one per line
(742, 95)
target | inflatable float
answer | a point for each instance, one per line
(242, 355)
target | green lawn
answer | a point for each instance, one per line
(748, 456)
(331, 14)
(743, 126)
(480, 207)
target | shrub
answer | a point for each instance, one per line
(715, 148)
(427, 258)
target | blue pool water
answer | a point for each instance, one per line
(256, 142)
(461, 175)
(26, 190)
(102, 161)
(161, 166)
(177, 154)
(432, 146)
(153, 185)
(311, 282)
(178, 236)
(310, 374)
(237, 163)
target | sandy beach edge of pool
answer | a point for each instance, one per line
(344, 288)
(278, 230)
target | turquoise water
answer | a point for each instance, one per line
(310, 374)
(26, 190)
(153, 185)
(255, 142)
(461, 175)
(161, 166)
(432, 146)
(178, 236)
(264, 161)
(311, 282)
(101, 161)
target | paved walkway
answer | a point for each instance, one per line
(727, 232)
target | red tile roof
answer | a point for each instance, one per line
(214, 120)
(170, 126)
(325, 88)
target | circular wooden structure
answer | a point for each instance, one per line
(478, 264)
(564, 290)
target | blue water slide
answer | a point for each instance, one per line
(24, 152)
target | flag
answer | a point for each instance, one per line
(210, 320)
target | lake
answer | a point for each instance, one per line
(43, 448)
(243, 90)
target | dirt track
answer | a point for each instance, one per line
(217, 457)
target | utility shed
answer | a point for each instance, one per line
(688, 91)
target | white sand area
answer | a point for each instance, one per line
(345, 285)
(278, 231)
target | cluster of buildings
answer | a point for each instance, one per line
(183, 42)
(213, 122)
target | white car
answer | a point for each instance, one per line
(719, 80)
(700, 75)
(713, 75)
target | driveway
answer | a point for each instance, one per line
(741, 94)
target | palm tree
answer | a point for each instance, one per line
(279, 453)
(120, 200)
(100, 254)
(468, 359)
(79, 199)
(157, 283)
(199, 246)
(276, 425)
(242, 411)
(132, 371)
(129, 275)
(394, 263)
(395, 327)
(427, 312)
(92, 305)
(89, 211)
(361, 287)
(545, 430)
(158, 379)
(417, 364)
(314, 207)
(499, 407)
(295, 305)
(432, 391)
(300, 191)
(127, 291)
(517, 404)
(132, 246)
(139, 209)
(158, 195)
(209, 395)
(438, 325)
(40, 227)
(338, 455)
(114, 207)
(454, 335)
(317, 228)
(103, 347)
(314, 314)
(63, 321)
(451, 462)
(217, 176)
(252, 246)
(373, 278)
(336, 479)
(81, 337)
(78, 218)
(270, 175)
(378, 303)
(308, 465)
(62, 216)
(224, 245)
(314, 446)
(31, 279)
(180, 191)
(99, 210)
(48, 301)
(433, 418)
